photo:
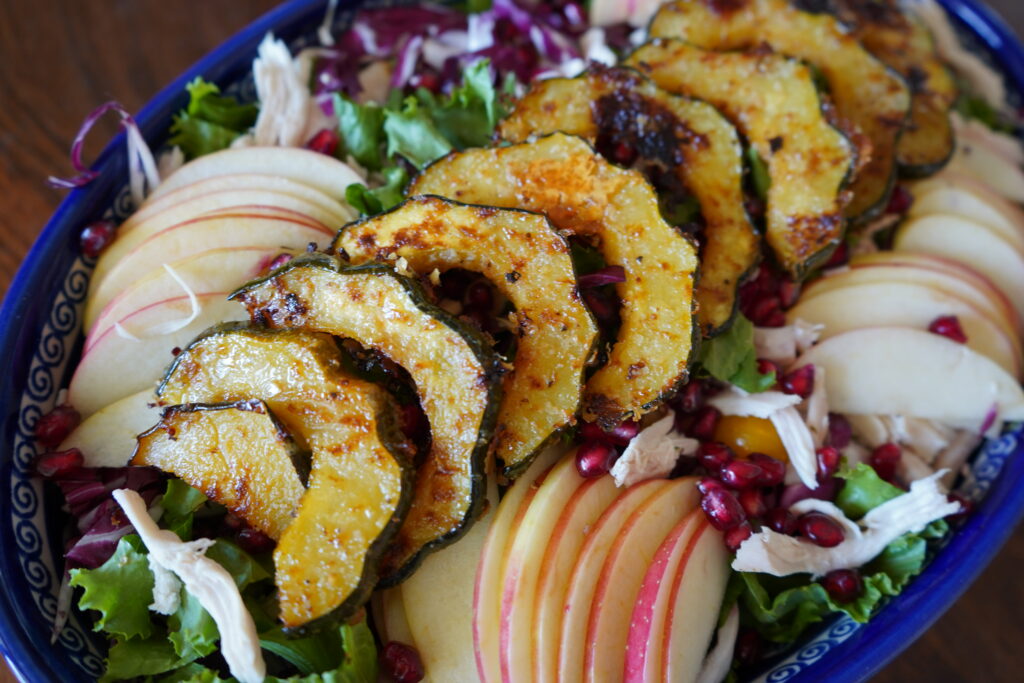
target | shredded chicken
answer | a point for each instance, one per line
(652, 453)
(283, 93)
(783, 344)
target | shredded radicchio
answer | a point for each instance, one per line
(606, 276)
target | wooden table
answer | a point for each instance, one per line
(60, 59)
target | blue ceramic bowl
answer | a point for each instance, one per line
(40, 340)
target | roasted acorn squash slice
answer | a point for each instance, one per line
(582, 194)
(902, 41)
(529, 263)
(866, 93)
(678, 142)
(773, 102)
(235, 453)
(359, 483)
(455, 372)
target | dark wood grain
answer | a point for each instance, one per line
(59, 60)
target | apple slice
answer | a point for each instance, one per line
(901, 304)
(316, 170)
(216, 270)
(968, 198)
(493, 557)
(901, 371)
(117, 365)
(646, 624)
(107, 438)
(443, 585)
(967, 242)
(697, 592)
(524, 565)
(586, 575)
(194, 237)
(623, 573)
(981, 162)
(221, 192)
(950, 276)
(574, 524)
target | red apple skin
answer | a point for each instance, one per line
(643, 646)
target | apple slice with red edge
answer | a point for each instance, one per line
(493, 557)
(694, 603)
(194, 237)
(980, 161)
(646, 624)
(587, 574)
(622, 574)
(961, 195)
(133, 358)
(577, 519)
(107, 438)
(902, 371)
(896, 304)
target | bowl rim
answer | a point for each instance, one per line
(948, 575)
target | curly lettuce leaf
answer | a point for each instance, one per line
(180, 503)
(731, 357)
(193, 631)
(135, 657)
(371, 202)
(121, 590)
(361, 127)
(211, 121)
(412, 133)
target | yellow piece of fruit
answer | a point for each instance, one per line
(746, 435)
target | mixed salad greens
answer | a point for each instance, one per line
(398, 90)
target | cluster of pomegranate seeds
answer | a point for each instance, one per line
(599, 451)
(799, 382)
(702, 423)
(948, 326)
(820, 529)
(884, 460)
(96, 237)
(401, 663)
(765, 298)
(51, 429)
(325, 142)
(844, 585)
(59, 464)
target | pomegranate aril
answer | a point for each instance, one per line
(735, 536)
(722, 509)
(325, 142)
(623, 154)
(789, 292)
(767, 367)
(839, 431)
(591, 431)
(96, 237)
(753, 503)
(885, 459)
(749, 646)
(713, 455)
(59, 464)
(966, 507)
(478, 296)
(781, 520)
(772, 471)
(624, 432)
(704, 423)
(594, 459)
(839, 257)
(948, 326)
(401, 662)
(706, 484)
(279, 261)
(254, 541)
(828, 462)
(51, 429)
(843, 585)
(764, 309)
(691, 398)
(740, 474)
(794, 493)
(800, 382)
(900, 201)
(820, 529)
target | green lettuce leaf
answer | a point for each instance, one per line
(412, 133)
(731, 357)
(121, 590)
(211, 121)
(758, 173)
(318, 652)
(468, 116)
(975, 107)
(241, 565)
(136, 657)
(193, 632)
(180, 502)
(358, 663)
(361, 127)
(193, 673)
(371, 202)
(864, 490)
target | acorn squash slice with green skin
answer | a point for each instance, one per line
(529, 263)
(866, 93)
(902, 41)
(679, 143)
(360, 479)
(562, 177)
(774, 103)
(457, 379)
(235, 453)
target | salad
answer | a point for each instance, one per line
(684, 364)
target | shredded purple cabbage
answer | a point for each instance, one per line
(608, 275)
(85, 174)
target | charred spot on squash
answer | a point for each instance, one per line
(582, 194)
(684, 147)
(360, 480)
(770, 97)
(456, 374)
(527, 262)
